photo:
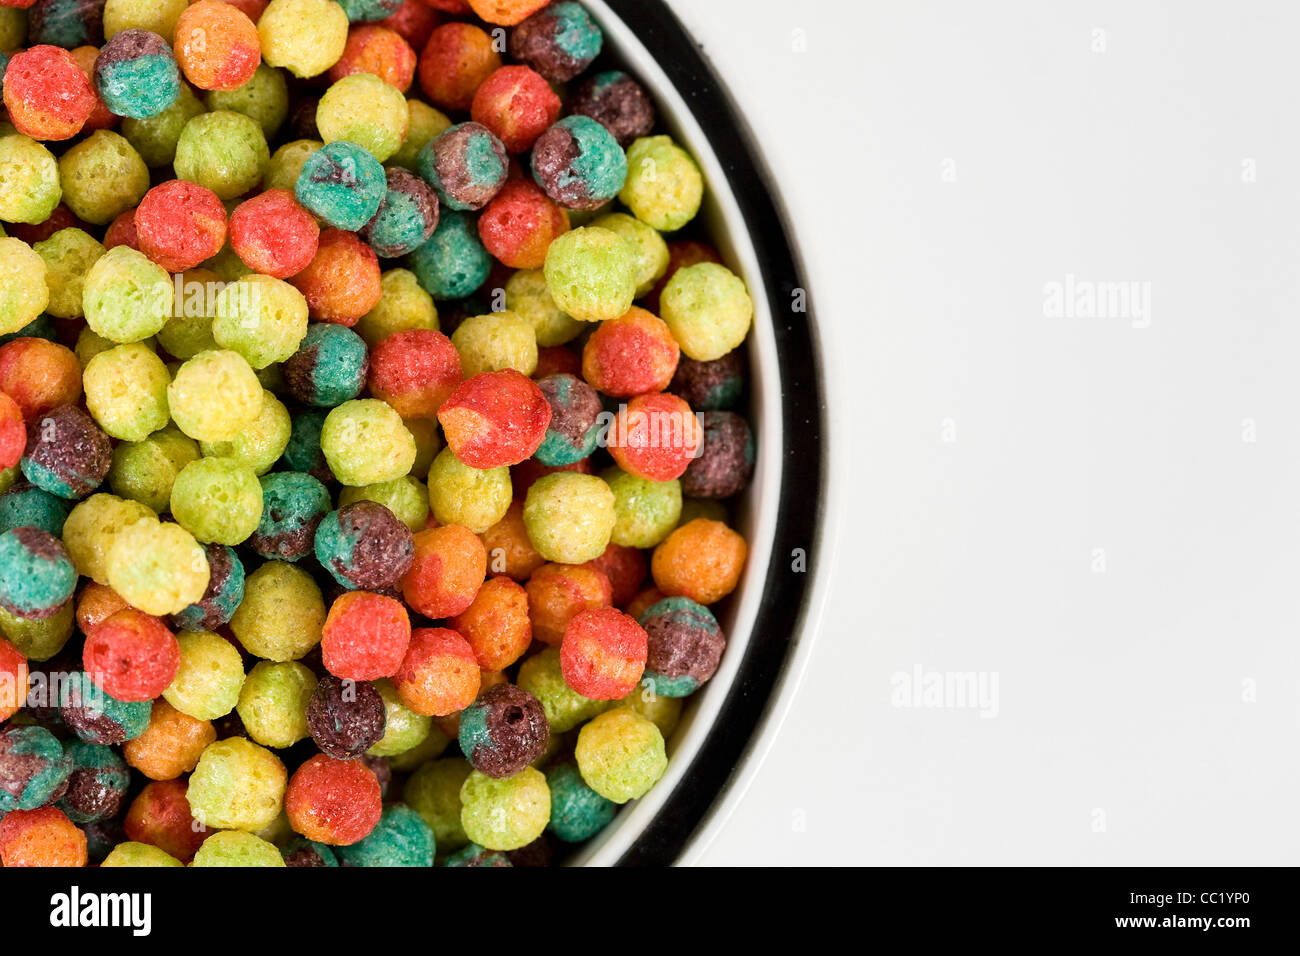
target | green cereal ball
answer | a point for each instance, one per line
(262, 318)
(621, 754)
(156, 566)
(406, 497)
(664, 187)
(306, 37)
(139, 855)
(215, 395)
(126, 297)
(145, 471)
(92, 527)
(528, 297)
(126, 391)
(186, 336)
(39, 640)
(260, 445)
(273, 703)
(403, 728)
(495, 341)
(663, 711)
(591, 274)
(505, 814)
(542, 676)
(649, 247)
(218, 500)
(287, 162)
(13, 28)
(433, 791)
(29, 178)
(264, 98)
(430, 748)
(424, 125)
(90, 343)
(155, 138)
(211, 674)
(403, 305)
(569, 517)
(363, 109)
(365, 442)
(710, 508)
(102, 176)
(224, 151)
(189, 331)
(233, 848)
(156, 16)
(645, 511)
(68, 254)
(237, 785)
(474, 497)
(708, 310)
(281, 616)
(23, 292)
(226, 264)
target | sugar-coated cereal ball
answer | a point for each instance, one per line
(559, 41)
(505, 814)
(341, 183)
(273, 702)
(579, 163)
(477, 856)
(31, 177)
(335, 802)
(342, 281)
(630, 355)
(293, 504)
(364, 545)
(727, 462)
(574, 427)
(24, 292)
(287, 162)
(454, 63)
(138, 855)
(236, 848)
(710, 386)
(102, 177)
(461, 494)
(401, 838)
(621, 755)
(237, 785)
(210, 677)
(97, 603)
(65, 23)
(415, 372)
(93, 526)
(145, 470)
(126, 297)
(215, 395)
(577, 811)
(13, 680)
(264, 98)
(273, 235)
(218, 500)
(528, 297)
(466, 164)
(433, 791)
(364, 442)
(413, 20)
(261, 318)
(156, 566)
(34, 768)
(155, 137)
(39, 375)
(98, 717)
(446, 572)
(303, 451)
(306, 37)
(67, 254)
(44, 837)
(361, 11)
(517, 105)
(158, 16)
(136, 74)
(26, 506)
(260, 445)
(505, 12)
(302, 852)
(345, 718)
(708, 309)
(569, 517)
(403, 306)
(664, 186)
(603, 653)
(13, 25)
(520, 223)
(439, 674)
(653, 256)
(503, 731)
(406, 497)
(379, 51)
(403, 727)
(655, 436)
(645, 511)
(496, 623)
(556, 592)
(97, 784)
(425, 124)
(508, 548)
(223, 151)
(329, 367)
(701, 560)
(685, 646)
(663, 711)
(126, 391)
(67, 454)
(365, 636)
(495, 419)
(453, 263)
(131, 655)
(46, 93)
(38, 640)
(224, 593)
(495, 341)
(407, 216)
(216, 45)
(591, 274)
(617, 102)
(364, 110)
(282, 613)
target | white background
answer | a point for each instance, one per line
(1102, 515)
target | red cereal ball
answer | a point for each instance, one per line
(13, 432)
(455, 61)
(655, 437)
(516, 104)
(365, 636)
(681, 253)
(449, 566)
(131, 655)
(13, 680)
(253, 9)
(341, 283)
(459, 7)
(440, 673)
(39, 375)
(101, 117)
(630, 355)
(520, 223)
(556, 592)
(44, 837)
(216, 45)
(372, 48)
(47, 94)
(414, 371)
(526, 472)
(603, 653)
(121, 232)
(160, 816)
(626, 568)
(60, 218)
(180, 224)
(557, 360)
(496, 623)
(336, 802)
(494, 419)
(274, 235)
(413, 21)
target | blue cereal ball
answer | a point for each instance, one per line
(577, 812)
(559, 41)
(96, 716)
(33, 768)
(329, 367)
(293, 504)
(685, 645)
(364, 11)
(67, 454)
(342, 184)
(26, 506)
(224, 593)
(406, 218)
(453, 263)
(575, 420)
(303, 453)
(97, 785)
(401, 838)
(477, 856)
(579, 163)
(36, 575)
(303, 852)
(136, 74)
(66, 23)
(41, 327)
(466, 164)
(364, 546)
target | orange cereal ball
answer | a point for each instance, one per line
(506, 12)
(365, 636)
(556, 592)
(171, 745)
(342, 281)
(160, 816)
(701, 560)
(97, 603)
(454, 64)
(217, 46)
(630, 355)
(39, 375)
(509, 551)
(439, 675)
(496, 623)
(377, 50)
(13, 680)
(44, 837)
(446, 573)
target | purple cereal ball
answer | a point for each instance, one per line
(97, 785)
(684, 645)
(710, 386)
(559, 41)
(222, 596)
(67, 454)
(302, 125)
(302, 852)
(503, 731)
(574, 430)
(345, 717)
(539, 853)
(726, 462)
(364, 546)
(407, 216)
(467, 165)
(618, 103)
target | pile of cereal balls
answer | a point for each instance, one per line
(368, 425)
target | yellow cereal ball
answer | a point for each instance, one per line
(361, 108)
(41, 639)
(90, 343)
(23, 292)
(505, 814)
(157, 567)
(403, 305)
(156, 16)
(430, 748)
(234, 848)
(145, 471)
(708, 310)
(138, 855)
(260, 445)
(365, 441)
(102, 177)
(663, 711)
(273, 704)
(282, 613)
(218, 500)
(215, 396)
(210, 677)
(92, 527)
(621, 754)
(237, 785)
(126, 298)
(306, 37)
(496, 341)
(29, 176)
(433, 791)
(474, 497)
(569, 517)
(528, 297)
(155, 138)
(126, 391)
(428, 443)
(287, 162)
(651, 252)
(406, 497)
(664, 187)
(403, 728)
(68, 254)
(425, 124)
(262, 318)
(13, 28)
